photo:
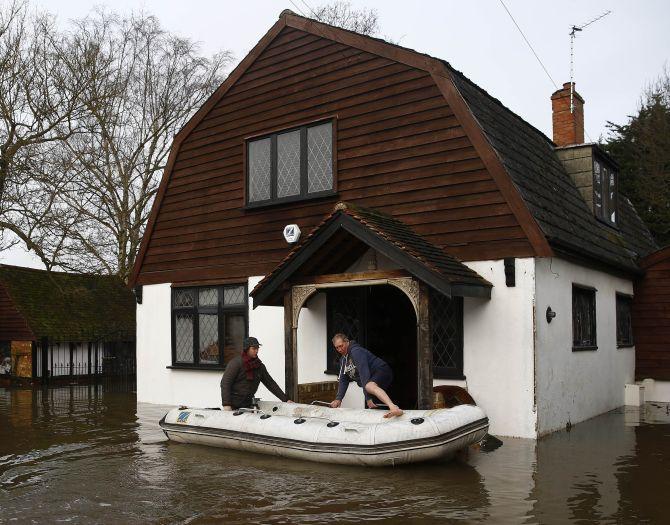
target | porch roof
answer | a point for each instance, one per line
(345, 234)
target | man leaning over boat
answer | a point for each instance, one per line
(369, 371)
(243, 375)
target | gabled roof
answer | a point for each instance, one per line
(520, 158)
(387, 235)
(71, 307)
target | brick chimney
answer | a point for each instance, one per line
(568, 126)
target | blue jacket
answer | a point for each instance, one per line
(365, 363)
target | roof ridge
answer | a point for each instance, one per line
(53, 272)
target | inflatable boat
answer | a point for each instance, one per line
(331, 435)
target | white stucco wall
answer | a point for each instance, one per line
(498, 349)
(158, 384)
(574, 386)
(312, 347)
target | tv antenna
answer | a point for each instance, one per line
(573, 34)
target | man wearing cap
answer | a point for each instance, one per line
(243, 375)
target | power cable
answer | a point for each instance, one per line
(529, 45)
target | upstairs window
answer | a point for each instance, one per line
(290, 165)
(208, 325)
(624, 324)
(604, 191)
(583, 318)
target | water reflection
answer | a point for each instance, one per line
(91, 454)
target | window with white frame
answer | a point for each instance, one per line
(290, 165)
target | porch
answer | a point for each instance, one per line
(371, 277)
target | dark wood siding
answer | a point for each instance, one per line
(651, 318)
(13, 326)
(400, 149)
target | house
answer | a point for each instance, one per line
(436, 227)
(56, 325)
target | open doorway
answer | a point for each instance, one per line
(382, 319)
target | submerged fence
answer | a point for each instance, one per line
(95, 360)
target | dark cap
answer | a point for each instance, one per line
(250, 341)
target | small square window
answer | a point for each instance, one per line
(583, 318)
(208, 325)
(624, 323)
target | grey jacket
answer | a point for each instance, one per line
(238, 392)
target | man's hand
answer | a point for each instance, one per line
(335, 404)
(371, 403)
(290, 401)
(228, 408)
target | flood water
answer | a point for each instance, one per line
(90, 454)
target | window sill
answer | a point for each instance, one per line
(216, 368)
(584, 348)
(288, 200)
(453, 377)
(625, 345)
(332, 372)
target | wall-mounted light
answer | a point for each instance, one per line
(550, 314)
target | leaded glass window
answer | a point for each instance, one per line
(291, 165)
(583, 318)
(288, 164)
(446, 323)
(320, 158)
(259, 170)
(203, 318)
(624, 323)
(604, 191)
(184, 338)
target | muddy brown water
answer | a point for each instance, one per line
(91, 454)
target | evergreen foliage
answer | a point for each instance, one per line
(641, 147)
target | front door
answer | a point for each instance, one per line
(382, 319)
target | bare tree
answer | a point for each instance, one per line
(40, 105)
(341, 14)
(152, 83)
(88, 118)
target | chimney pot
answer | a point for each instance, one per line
(568, 125)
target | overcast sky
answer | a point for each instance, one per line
(615, 58)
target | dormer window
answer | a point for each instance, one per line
(604, 191)
(291, 165)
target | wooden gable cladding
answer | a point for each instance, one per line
(400, 148)
(13, 325)
(651, 318)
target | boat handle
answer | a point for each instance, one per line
(317, 402)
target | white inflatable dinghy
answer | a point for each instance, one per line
(331, 435)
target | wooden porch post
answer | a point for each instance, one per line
(290, 350)
(424, 351)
